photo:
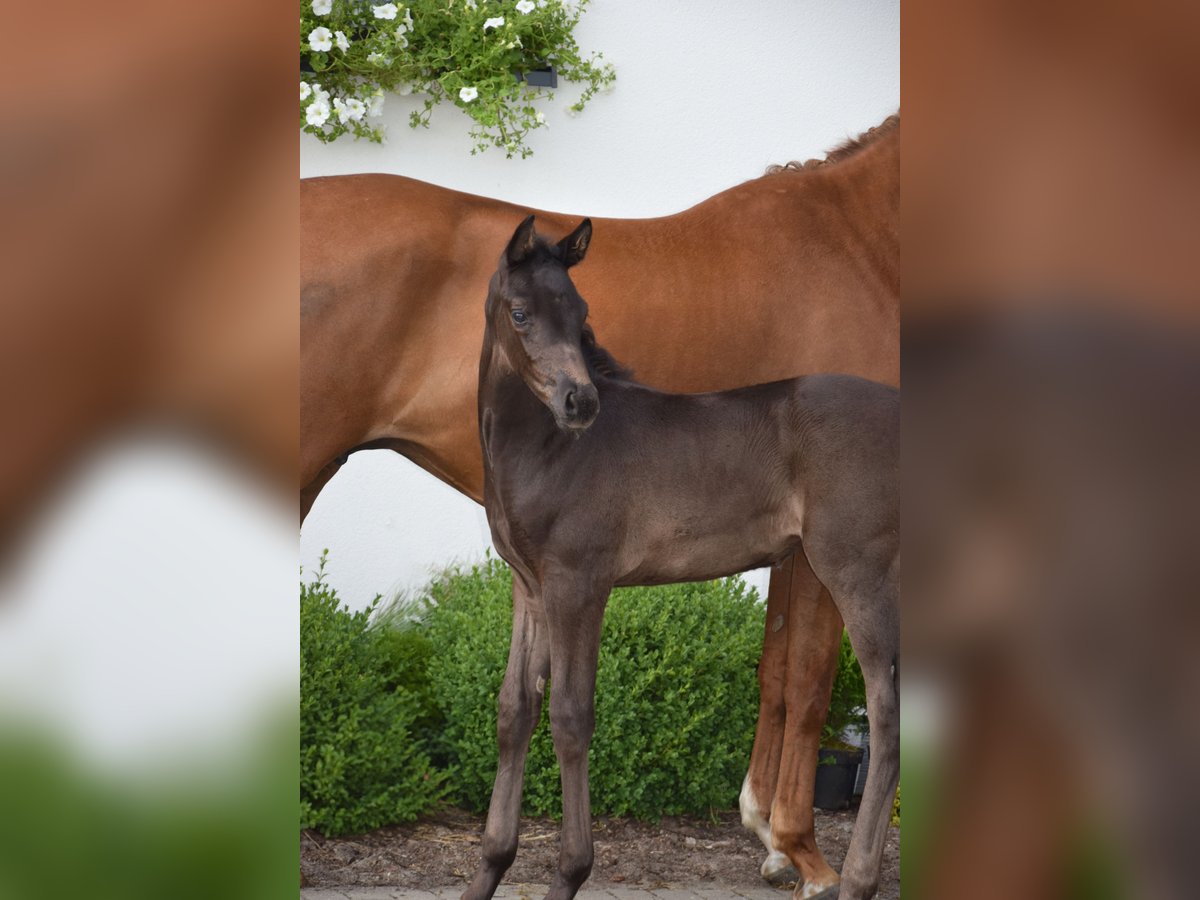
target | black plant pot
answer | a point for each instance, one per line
(836, 771)
(546, 76)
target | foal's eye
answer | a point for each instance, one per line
(518, 316)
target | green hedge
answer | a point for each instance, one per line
(398, 705)
(363, 710)
(676, 694)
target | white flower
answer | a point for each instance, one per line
(493, 23)
(387, 11)
(343, 42)
(375, 104)
(377, 58)
(525, 6)
(408, 18)
(351, 110)
(322, 7)
(467, 94)
(401, 40)
(317, 113)
(471, 4)
(320, 38)
(540, 118)
(320, 93)
(305, 90)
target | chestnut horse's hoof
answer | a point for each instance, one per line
(829, 893)
(783, 876)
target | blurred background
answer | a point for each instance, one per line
(148, 346)
(1051, 382)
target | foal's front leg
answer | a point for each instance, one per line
(519, 708)
(574, 611)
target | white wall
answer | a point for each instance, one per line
(707, 95)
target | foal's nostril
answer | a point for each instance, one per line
(569, 405)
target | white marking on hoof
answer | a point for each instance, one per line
(814, 889)
(774, 864)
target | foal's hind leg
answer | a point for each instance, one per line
(873, 622)
(519, 708)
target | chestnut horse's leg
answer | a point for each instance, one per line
(308, 494)
(574, 610)
(872, 620)
(758, 788)
(1010, 799)
(518, 711)
(814, 636)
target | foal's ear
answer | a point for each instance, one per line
(521, 243)
(574, 245)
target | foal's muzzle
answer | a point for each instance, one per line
(576, 405)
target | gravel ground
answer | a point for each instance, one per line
(439, 853)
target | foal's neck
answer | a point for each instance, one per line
(506, 403)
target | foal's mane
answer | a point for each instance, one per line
(600, 361)
(844, 150)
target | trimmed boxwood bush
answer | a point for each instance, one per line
(364, 712)
(676, 694)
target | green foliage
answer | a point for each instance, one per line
(184, 827)
(452, 50)
(363, 715)
(896, 809)
(848, 702)
(676, 694)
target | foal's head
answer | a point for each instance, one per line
(537, 317)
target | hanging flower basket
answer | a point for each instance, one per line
(466, 52)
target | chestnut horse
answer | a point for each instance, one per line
(796, 271)
(592, 481)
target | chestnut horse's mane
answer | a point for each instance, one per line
(601, 362)
(844, 150)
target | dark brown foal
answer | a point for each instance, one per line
(593, 481)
